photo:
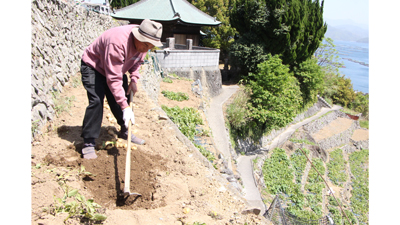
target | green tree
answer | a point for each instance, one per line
(345, 93)
(249, 18)
(328, 59)
(311, 80)
(327, 54)
(276, 97)
(222, 36)
(292, 29)
(121, 3)
(361, 104)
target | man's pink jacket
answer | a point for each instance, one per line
(113, 54)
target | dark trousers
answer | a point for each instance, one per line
(96, 86)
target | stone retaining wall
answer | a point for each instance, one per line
(61, 30)
(339, 139)
(316, 125)
(248, 145)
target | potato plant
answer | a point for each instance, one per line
(337, 167)
(299, 162)
(186, 119)
(177, 96)
(360, 193)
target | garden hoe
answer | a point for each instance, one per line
(127, 191)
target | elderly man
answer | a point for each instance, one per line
(103, 67)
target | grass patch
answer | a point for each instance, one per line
(176, 96)
(76, 81)
(349, 111)
(62, 104)
(364, 124)
(34, 126)
(237, 111)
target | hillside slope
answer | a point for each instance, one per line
(178, 185)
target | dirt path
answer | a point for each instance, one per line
(175, 185)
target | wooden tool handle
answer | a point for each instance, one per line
(128, 150)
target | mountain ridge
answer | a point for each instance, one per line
(347, 31)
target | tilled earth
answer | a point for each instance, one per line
(175, 185)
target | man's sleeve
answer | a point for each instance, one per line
(134, 71)
(113, 62)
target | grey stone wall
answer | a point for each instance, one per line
(150, 78)
(248, 145)
(318, 124)
(61, 31)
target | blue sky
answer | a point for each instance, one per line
(354, 10)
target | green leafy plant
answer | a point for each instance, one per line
(167, 80)
(77, 206)
(337, 167)
(186, 119)
(199, 223)
(278, 175)
(206, 153)
(177, 96)
(205, 132)
(359, 199)
(299, 162)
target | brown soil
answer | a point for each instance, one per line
(175, 186)
(360, 135)
(335, 127)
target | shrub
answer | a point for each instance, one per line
(276, 97)
(345, 93)
(237, 112)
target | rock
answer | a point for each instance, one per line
(255, 211)
(227, 171)
(161, 117)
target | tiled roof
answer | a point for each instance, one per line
(166, 10)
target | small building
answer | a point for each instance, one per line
(180, 19)
(102, 7)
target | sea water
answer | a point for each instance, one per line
(355, 58)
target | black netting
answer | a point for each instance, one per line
(279, 216)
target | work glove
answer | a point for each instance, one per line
(128, 116)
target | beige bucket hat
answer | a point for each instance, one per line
(149, 31)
